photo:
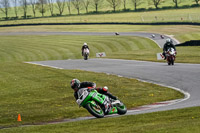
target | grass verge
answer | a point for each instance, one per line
(55, 47)
(58, 47)
(182, 121)
(171, 15)
(180, 32)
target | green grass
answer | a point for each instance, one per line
(58, 47)
(104, 7)
(173, 15)
(181, 32)
(185, 55)
(181, 121)
(42, 94)
(29, 48)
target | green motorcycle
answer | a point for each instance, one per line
(98, 104)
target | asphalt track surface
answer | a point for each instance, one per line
(182, 77)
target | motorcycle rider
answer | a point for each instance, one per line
(76, 85)
(84, 46)
(167, 45)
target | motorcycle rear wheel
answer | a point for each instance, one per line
(95, 110)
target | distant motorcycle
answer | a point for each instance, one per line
(98, 104)
(170, 56)
(116, 33)
(162, 37)
(86, 53)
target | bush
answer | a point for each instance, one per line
(126, 10)
(151, 9)
(167, 7)
(13, 18)
(186, 6)
(29, 16)
(54, 15)
(141, 9)
(23, 17)
(6, 18)
(195, 5)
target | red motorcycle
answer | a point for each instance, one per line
(170, 56)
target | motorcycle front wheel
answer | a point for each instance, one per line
(85, 57)
(121, 109)
(95, 110)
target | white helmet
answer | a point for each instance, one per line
(85, 43)
(168, 40)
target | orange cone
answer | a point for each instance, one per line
(19, 118)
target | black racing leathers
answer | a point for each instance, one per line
(84, 85)
(93, 85)
(167, 46)
(83, 47)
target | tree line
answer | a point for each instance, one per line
(49, 5)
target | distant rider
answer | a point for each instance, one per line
(84, 46)
(76, 85)
(167, 45)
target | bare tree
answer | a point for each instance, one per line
(86, 4)
(33, 5)
(51, 6)
(16, 7)
(61, 5)
(24, 5)
(124, 4)
(136, 3)
(197, 1)
(4, 7)
(114, 4)
(176, 2)
(41, 6)
(97, 4)
(77, 5)
(155, 2)
(69, 6)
